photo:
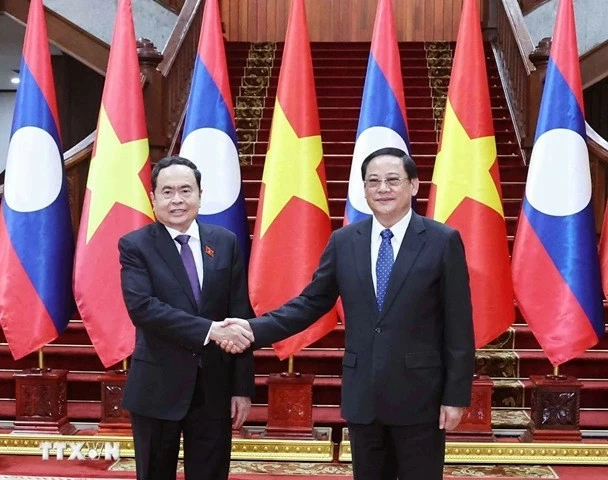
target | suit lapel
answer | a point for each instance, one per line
(410, 248)
(168, 251)
(208, 244)
(363, 259)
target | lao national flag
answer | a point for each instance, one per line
(36, 241)
(383, 121)
(209, 138)
(556, 272)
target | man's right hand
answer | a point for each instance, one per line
(233, 335)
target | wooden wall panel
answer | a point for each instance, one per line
(342, 20)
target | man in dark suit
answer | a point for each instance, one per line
(179, 278)
(409, 350)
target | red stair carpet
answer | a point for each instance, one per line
(15, 467)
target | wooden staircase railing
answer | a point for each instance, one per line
(528, 5)
(598, 159)
(165, 82)
(75, 41)
(520, 77)
(173, 5)
(176, 69)
(522, 69)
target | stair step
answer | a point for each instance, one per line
(341, 135)
(413, 113)
(337, 206)
(508, 173)
(500, 124)
(422, 160)
(495, 363)
(323, 416)
(339, 189)
(518, 337)
(508, 153)
(348, 68)
(507, 392)
(56, 355)
(421, 90)
(411, 102)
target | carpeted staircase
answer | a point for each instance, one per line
(339, 74)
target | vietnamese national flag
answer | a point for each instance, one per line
(293, 224)
(465, 191)
(116, 200)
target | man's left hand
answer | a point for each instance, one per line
(239, 409)
(449, 417)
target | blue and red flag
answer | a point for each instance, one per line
(556, 274)
(383, 120)
(36, 240)
(209, 138)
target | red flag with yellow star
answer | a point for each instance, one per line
(116, 200)
(293, 224)
(465, 193)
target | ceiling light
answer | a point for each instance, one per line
(15, 80)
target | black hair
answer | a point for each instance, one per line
(408, 162)
(175, 160)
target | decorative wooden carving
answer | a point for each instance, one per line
(536, 82)
(114, 419)
(555, 410)
(476, 423)
(41, 402)
(149, 59)
(289, 406)
(513, 45)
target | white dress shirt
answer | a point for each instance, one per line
(398, 230)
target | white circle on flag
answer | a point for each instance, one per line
(370, 140)
(559, 181)
(34, 170)
(216, 156)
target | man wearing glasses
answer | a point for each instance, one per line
(409, 350)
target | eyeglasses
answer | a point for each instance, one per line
(391, 182)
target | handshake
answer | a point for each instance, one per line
(233, 335)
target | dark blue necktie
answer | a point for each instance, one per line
(384, 265)
(188, 260)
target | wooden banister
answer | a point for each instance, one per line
(166, 87)
(528, 5)
(78, 43)
(522, 78)
(513, 46)
(522, 69)
(173, 5)
(177, 66)
(598, 163)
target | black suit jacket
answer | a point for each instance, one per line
(171, 329)
(402, 363)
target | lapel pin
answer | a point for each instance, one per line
(209, 251)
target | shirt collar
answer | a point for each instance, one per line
(398, 229)
(193, 231)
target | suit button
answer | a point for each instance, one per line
(378, 330)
